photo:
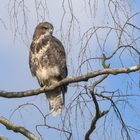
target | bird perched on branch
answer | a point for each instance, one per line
(47, 60)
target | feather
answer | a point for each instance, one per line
(56, 102)
(47, 61)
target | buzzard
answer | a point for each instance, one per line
(47, 60)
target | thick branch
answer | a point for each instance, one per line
(18, 129)
(3, 138)
(85, 77)
(93, 124)
(98, 114)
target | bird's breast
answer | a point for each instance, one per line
(44, 73)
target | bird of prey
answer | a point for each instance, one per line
(47, 61)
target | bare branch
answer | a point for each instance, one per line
(118, 114)
(66, 81)
(93, 124)
(97, 116)
(120, 47)
(3, 138)
(17, 129)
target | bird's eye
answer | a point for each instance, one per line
(46, 28)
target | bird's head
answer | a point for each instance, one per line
(43, 28)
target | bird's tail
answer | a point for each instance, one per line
(56, 101)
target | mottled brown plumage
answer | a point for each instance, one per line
(47, 62)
